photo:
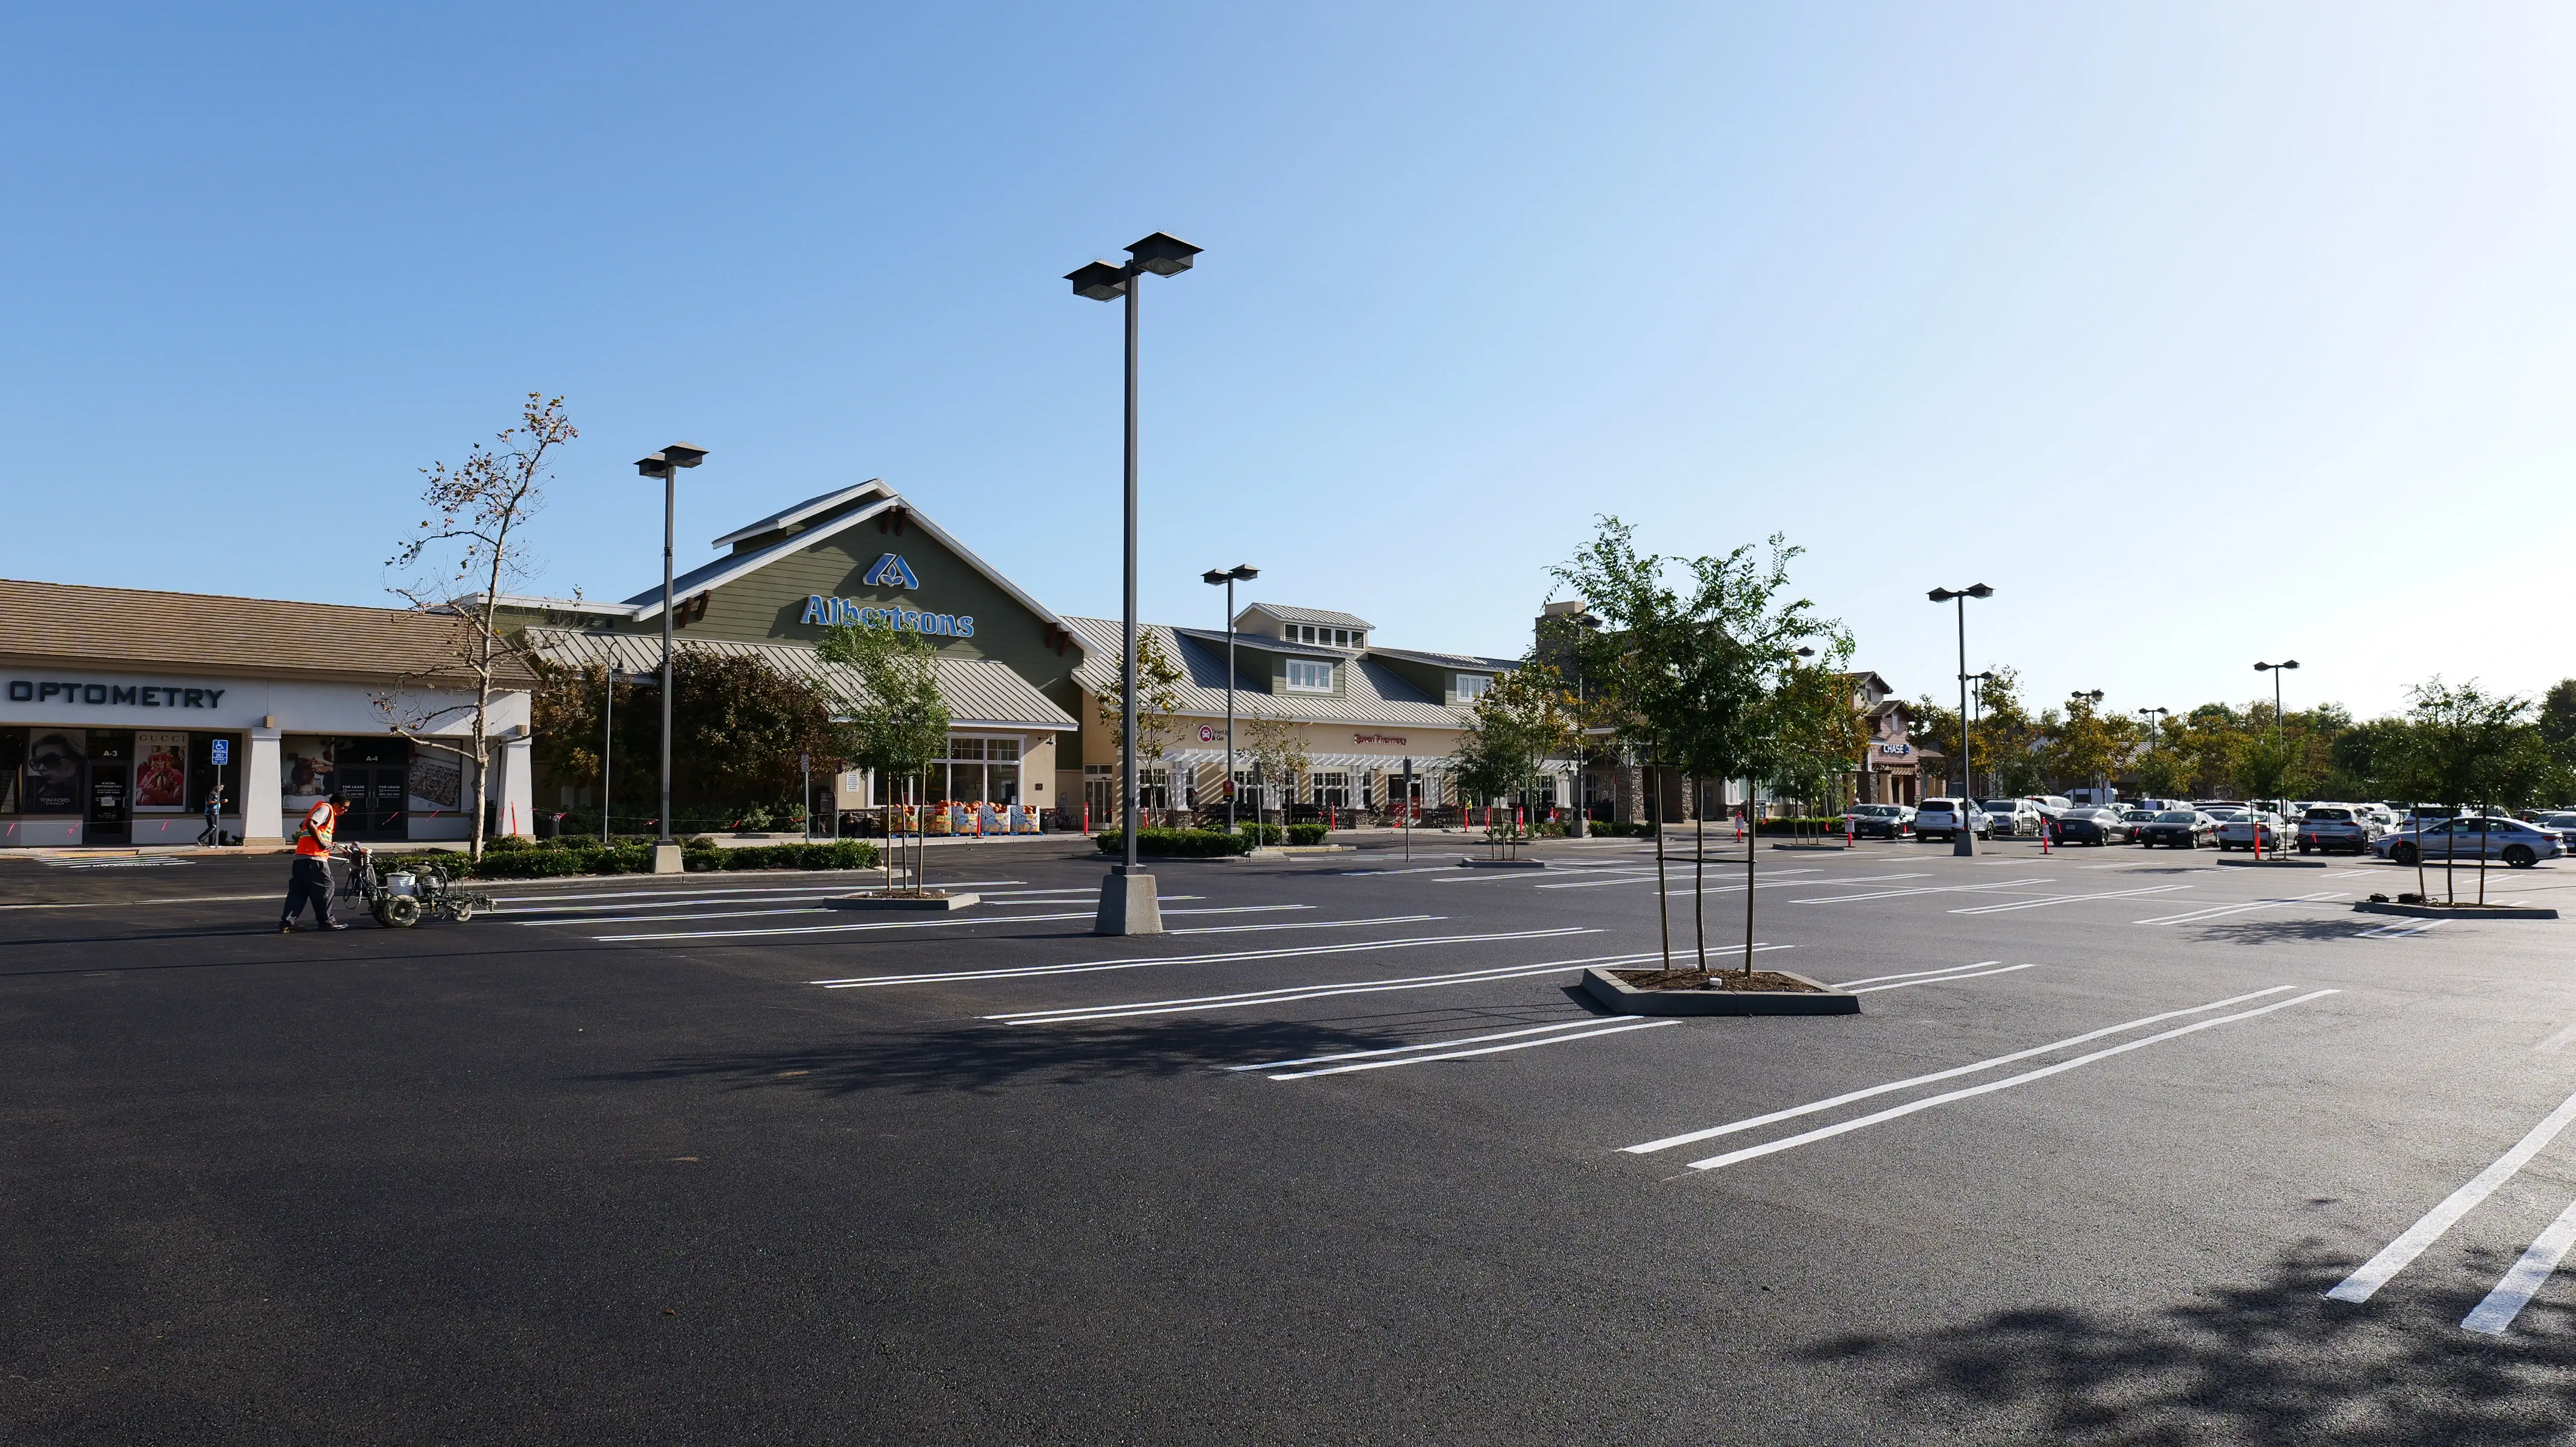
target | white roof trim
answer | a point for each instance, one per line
(991, 574)
(799, 513)
(725, 570)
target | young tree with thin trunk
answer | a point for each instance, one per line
(897, 716)
(471, 549)
(1158, 698)
(1278, 750)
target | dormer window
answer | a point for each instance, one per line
(1305, 677)
(1474, 685)
(1323, 637)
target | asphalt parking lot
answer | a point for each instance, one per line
(2126, 1146)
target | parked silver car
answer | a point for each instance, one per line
(2326, 828)
(2256, 829)
(2013, 817)
(2510, 840)
(1944, 818)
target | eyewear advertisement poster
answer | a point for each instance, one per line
(304, 771)
(160, 773)
(54, 758)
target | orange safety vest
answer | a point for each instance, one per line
(315, 836)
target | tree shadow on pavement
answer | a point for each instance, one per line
(983, 1057)
(2283, 931)
(2271, 1362)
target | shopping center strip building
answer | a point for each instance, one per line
(119, 702)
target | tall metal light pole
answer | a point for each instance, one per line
(1244, 573)
(1964, 842)
(2275, 669)
(1127, 903)
(666, 465)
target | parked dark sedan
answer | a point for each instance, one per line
(1881, 821)
(2179, 828)
(2080, 825)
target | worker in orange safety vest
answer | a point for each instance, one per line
(312, 877)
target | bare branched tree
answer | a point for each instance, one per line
(461, 558)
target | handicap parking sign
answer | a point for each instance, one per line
(223, 751)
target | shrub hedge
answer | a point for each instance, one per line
(1177, 843)
(515, 858)
(1307, 833)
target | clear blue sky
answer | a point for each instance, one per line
(2203, 333)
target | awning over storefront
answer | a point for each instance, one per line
(981, 692)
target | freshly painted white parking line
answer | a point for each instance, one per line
(594, 920)
(1915, 974)
(1236, 929)
(1895, 1112)
(1463, 1054)
(1648, 877)
(1417, 1045)
(2069, 899)
(1417, 869)
(2347, 874)
(695, 889)
(2556, 1042)
(2397, 1255)
(2225, 909)
(2525, 1278)
(1926, 889)
(1943, 979)
(1953, 1073)
(573, 913)
(826, 929)
(1018, 972)
(1290, 994)
(2400, 931)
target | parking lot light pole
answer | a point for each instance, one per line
(1239, 573)
(666, 465)
(1127, 903)
(2275, 669)
(1964, 842)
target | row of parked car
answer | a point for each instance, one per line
(2320, 827)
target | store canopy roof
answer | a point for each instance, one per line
(1374, 694)
(981, 693)
(69, 625)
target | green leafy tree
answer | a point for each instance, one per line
(1513, 729)
(1158, 698)
(897, 715)
(2558, 719)
(1278, 750)
(2466, 747)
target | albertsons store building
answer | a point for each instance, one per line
(119, 701)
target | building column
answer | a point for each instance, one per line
(263, 789)
(516, 803)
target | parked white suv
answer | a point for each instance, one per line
(2011, 816)
(1944, 818)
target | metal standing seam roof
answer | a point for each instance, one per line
(1375, 695)
(981, 692)
(120, 628)
(1325, 616)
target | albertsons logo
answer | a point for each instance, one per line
(891, 571)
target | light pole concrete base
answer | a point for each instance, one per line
(666, 859)
(1964, 844)
(1127, 905)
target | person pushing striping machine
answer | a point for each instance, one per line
(312, 877)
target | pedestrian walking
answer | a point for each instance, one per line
(312, 877)
(213, 832)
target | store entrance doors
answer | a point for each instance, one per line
(375, 800)
(110, 809)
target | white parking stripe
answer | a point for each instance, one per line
(1953, 1073)
(2400, 931)
(589, 920)
(1463, 1054)
(1290, 994)
(2069, 899)
(2526, 1277)
(1648, 876)
(1915, 974)
(1927, 889)
(2556, 1042)
(1942, 980)
(2213, 913)
(1027, 971)
(1234, 929)
(1990, 1087)
(859, 881)
(1417, 1045)
(574, 913)
(2397, 1255)
(825, 929)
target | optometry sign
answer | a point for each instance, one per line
(120, 695)
(851, 612)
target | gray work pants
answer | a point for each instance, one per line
(311, 880)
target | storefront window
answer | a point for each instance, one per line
(981, 770)
(55, 759)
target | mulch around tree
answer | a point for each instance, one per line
(1714, 980)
